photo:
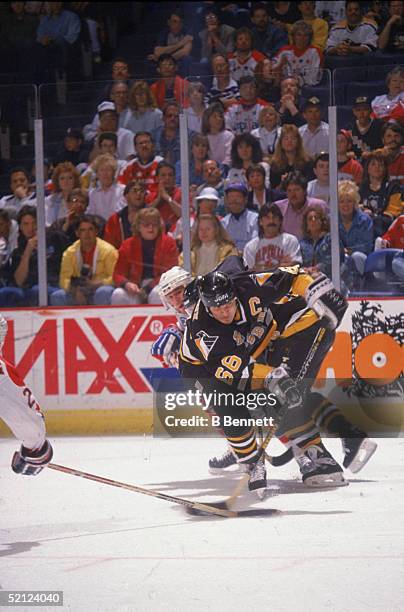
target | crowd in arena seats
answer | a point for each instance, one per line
(258, 139)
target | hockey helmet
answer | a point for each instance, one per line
(216, 289)
(191, 294)
(172, 279)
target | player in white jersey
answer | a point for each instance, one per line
(21, 412)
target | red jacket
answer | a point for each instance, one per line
(129, 266)
(180, 92)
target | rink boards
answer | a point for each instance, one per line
(92, 372)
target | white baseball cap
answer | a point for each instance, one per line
(208, 193)
(106, 106)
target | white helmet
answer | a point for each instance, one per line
(3, 330)
(172, 279)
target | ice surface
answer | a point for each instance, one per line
(115, 550)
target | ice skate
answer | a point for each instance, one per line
(319, 469)
(219, 464)
(357, 451)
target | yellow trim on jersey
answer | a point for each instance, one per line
(262, 277)
(307, 319)
(300, 284)
(265, 341)
(243, 437)
(259, 372)
(245, 451)
(188, 360)
(308, 426)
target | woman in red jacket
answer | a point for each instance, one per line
(142, 260)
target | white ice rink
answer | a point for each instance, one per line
(115, 550)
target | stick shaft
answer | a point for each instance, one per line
(136, 489)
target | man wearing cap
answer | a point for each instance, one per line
(315, 133)
(243, 115)
(366, 132)
(348, 168)
(108, 116)
(241, 224)
(72, 150)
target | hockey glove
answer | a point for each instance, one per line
(167, 346)
(326, 301)
(29, 462)
(284, 388)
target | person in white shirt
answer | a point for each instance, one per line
(107, 197)
(355, 35)
(272, 247)
(109, 118)
(315, 133)
(269, 129)
(320, 186)
(22, 193)
(241, 223)
(120, 97)
(220, 139)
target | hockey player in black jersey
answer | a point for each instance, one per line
(231, 326)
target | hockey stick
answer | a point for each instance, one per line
(203, 508)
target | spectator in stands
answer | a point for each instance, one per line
(210, 245)
(168, 197)
(198, 155)
(144, 166)
(296, 203)
(167, 137)
(283, 14)
(220, 139)
(272, 247)
(224, 89)
(106, 198)
(108, 122)
(391, 38)
(18, 36)
(76, 205)
(366, 132)
(22, 193)
(267, 37)
(119, 225)
(241, 223)
(107, 145)
(73, 149)
(269, 130)
(381, 198)
(268, 79)
(57, 37)
(394, 237)
(194, 111)
(289, 156)
(290, 102)
(300, 59)
(243, 116)
(87, 268)
(174, 41)
(348, 167)
(332, 12)
(169, 87)
(245, 58)
(216, 37)
(245, 152)
(65, 177)
(119, 95)
(378, 12)
(355, 232)
(319, 26)
(145, 116)
(212, 179)
(142, 260)
(355, 35)
(208, 202)
(315, 245)
(260, 194)
(120, 70)
(392, 137)
(8, 241)
(390, 106)
(315, 133)
(23, 287)
(320, 186)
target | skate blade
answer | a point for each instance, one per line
(365, 451)
(230, 469)
(326, 481)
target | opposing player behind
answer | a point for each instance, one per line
(21, 412)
